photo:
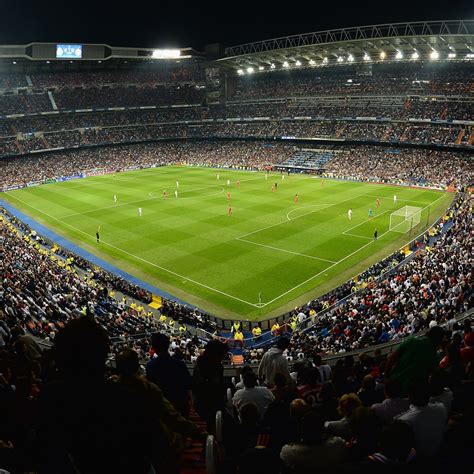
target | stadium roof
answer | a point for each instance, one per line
(451, 40)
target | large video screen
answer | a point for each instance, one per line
(69, 51)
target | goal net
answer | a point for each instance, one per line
(405, 219)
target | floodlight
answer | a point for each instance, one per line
(366, 57)
(451, 55)
(434, 54)
(325, 60)
(272, 66)
(415, 55)
(261, 68)
(399, 55)
(340, 59)
(240, 71)
(350, 58)
(312, 62)
(285, 64)
(382, 54)
(298, 63)
(250, 70)
(166, 53)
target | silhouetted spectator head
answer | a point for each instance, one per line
(317, 359)
(436, 334)
(249, 379)
(368, 383)
(283, 343)
(280, 380)
(160, 342)
(393, 388)
(397, 441)
(310, 376)
(299, 408)
(348, 404)
(81, 348)
(419, 394)
(127, 362)
(215, 351)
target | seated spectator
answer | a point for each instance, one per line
(396, 452)
(168, 421)
(311, 386)
(393, 404)
(85, 423)
(347, 406)
(328, 402)
(325, 371)
(315, 451)
(369, 394)
(170, 374)
(439, 390)
(240, 383)
(428, 420)
(259, 396)
(365, 432)
(282, 390)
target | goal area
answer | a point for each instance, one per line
(405, 218)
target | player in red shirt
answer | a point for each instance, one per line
(165, 194)
(230, 210)
(238, 183)
(377, 203)
(273, 188)
(296, 198)
(228, 195)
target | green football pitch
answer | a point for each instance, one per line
(268, 256)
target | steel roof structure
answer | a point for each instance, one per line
(392, 42)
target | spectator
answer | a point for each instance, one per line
(393, 404)
(428, 420)
(347, 407)
(273, 361)
(170, 374)
(325, 371)
(369, 393)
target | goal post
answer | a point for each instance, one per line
(404, 219)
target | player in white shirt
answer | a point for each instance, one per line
(228, 182)
(217, 176)
(394, 199)
(349, 214)
(140, 211)
(177, 184)
(115, 198)
(175, 193)
(283, 177)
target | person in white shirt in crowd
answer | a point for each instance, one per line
(273, 362)
(325, 371)
(394, 404)
(260, 396)
(428, 420)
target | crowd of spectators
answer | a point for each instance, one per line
(410, 166)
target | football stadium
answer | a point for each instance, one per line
(240, 259)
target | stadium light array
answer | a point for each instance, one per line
(325, 60)
(415, 55)
(470, 56)
(366, 57)
(451, 55)
(312, 62)
(434, 54)
(166, 53)
(340, 59)
(350, 58)
(261, 68)
(298, 63)
(250, 70)
(382, 55)
(399, 55)
(240, 72)
(285, 64)
(272, 66)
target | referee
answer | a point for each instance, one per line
(97, 236)
(375, 234)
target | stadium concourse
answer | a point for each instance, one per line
(98, 375)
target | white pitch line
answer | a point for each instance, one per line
(391, 198)
(298, 217)
(342, 259)
(136, 256)
(356, 235)
(302, 207)
(287, 251)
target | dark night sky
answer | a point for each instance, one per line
(185, 23)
